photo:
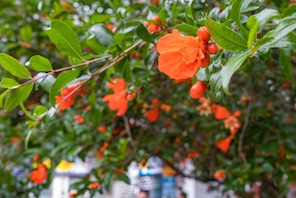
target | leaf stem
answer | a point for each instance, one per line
(25, 111)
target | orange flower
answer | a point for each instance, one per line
(220, 175)
(221, 113)
(180, 56)
(232, 123)
(68, 95)
(152, 27)
(100, 153)
(224, 144)
(39, 175)
(102, 128)
(94, 185)
(165, 107)
(120, 171)
(152, 115)
(155, 102)
(79, 119)
(156, 2)
(192, 154)
(131, 96)
(111, 27)
(117, 100)
(15, 139)
(71, 195)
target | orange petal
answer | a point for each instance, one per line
(172, 65)
(221, 113)
(170, 42)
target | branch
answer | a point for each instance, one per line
(241, 137)
(63, 69)
(128, 131)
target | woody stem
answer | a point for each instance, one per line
(63, 69)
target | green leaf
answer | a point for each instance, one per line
(99, 18)
(64, 38)
(257, 20)
(62, 80)
(28, 139)
(203, 74)
(262, 17)
(102, 34)
(11, 65)
(252, 35)
(144, 34)
(8, 83)
(124, 177)
(163, 14)
(2, 97)
(235, 13)
(290, 10)
(285, 63)
(226, 37)
(231, 67)
(215, 81)
(95, 45)
(39, 63)
(284, 27)
(39, 110)
(187, 29)
(26, 33)
(17, 96)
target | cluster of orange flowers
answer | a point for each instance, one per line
(79, 119)
(181, 56)
(100, 153)
(153, 27)
(117, 100)
(231, 121)
(39, 175)
(69, 94)
(153, 114)
(102, 128)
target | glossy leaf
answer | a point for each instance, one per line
(2, 96)
(290, 10)
(258, 20)
(235, 13)
(226, 37)
(231, 67)
(17, 96)
(285, 63)
(64, 38)
(14, 67)
(8, 83)
(187, 29)
(39, 110)
(39, 63)
(284, 27)
(26, 33)
(99, 18)
(102, 34)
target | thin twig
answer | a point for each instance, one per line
(63, 69)
(128, 131)
(244, 129)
